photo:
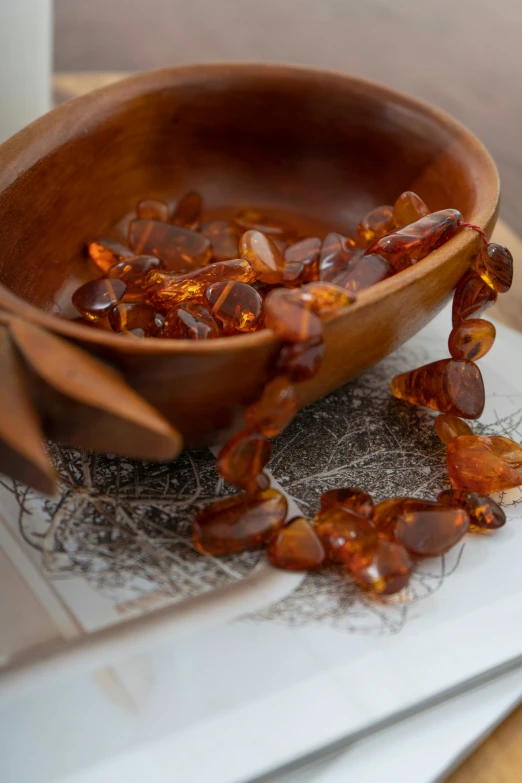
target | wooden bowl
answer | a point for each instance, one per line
(320, 145)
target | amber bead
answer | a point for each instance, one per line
(494, 264)
(337, 251)
(483, 512)
(133, 272)
(263, 256)
(448, 427)
(387, 513)
(236, 304)
(152, 209)
(166, 289)
(188, 211)
(243, 457)
(448, 386)
(408, 208)
(93, 300)
(138, 318)
(375, 225)
(179, 248)
(296, 547)
(290, 318)
(255, 220)
(484, 463)
(471, 339)
(472, 297)
(275, 409)
(364, 272)
(383, 567)
(325, 298)
(420, 238)
(349, 499)
(224, 238)
(190, 321)
(301, 262)
(107, 252)
(343, 533)
(239, 523)
(301, 361)
(431, 531)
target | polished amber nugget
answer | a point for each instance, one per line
(483, 512)
(190, 321)
(343, 533)
(301, 361)
(243, 458)
(448, 386)
(365, 272)
(302, 262)
(296, 547)
(383, 567)
(387, 513)
(236, 304)
(420, 238)
(152, 209)
(337, 251)
(375, 225)
(275, 409)
(188, 211)
(472, 297)
(133, 272)
(179, 248)
(93, 300)
(166, 290)
(107, 252)
(224, 238)
(325, 298)
(263, 255)
(448, 427)
(139, 319)
(494, 264)
(409, 208)
(484, 463)
(349, 499)
(472, 339)
(239, 523)
(431, 531)
(290, 318)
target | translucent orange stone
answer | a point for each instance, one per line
(364, 272)
(179, 248)
(239, 523)
(236, 304)
(483, 512)
(375, 225)
(484, 463)
(296, 547)
(255, 220)
(190, 321)
(243, 458)
(275, 409)
(152, 209)
(431, 531)
(301, 361)
(420, 238)
(224, 238)
(139, 318)
(448, 427)
(166, 290)
(325, 298)
(494, 264)
(263, 255)
(349, 499)
(384, 567)
(343, 533)
(471, 339)
(301, 262)
(107, 252)
(472, 297)
(387, 513)
(188, 211)
(133, 272)
(290, 318)
(448, 386)
(408, 208)
(337, 251)
(93, 300)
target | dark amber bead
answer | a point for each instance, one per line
(190, 321)
(179, 248)
(296, 547)
(343, 533)
(94, 300)
(383, 567)
(236, 304)
(263, 256)
(448, 386)
(132, 317)
(133, 272)
(387, 513)
(448, 427)
(420, 238)
(472, 297)
(275, 409)
(484, 463)
(302, 262)
(301, 361)
(325, 298)
(375, 225)
(243, 458)
(349, 499)
(188, 211)
(409, 208)
(471, 339)
(166, 290)
(431, 531)
(290, 318)
(152, 209)
(224, 238)
(107, 252)
(494, 264)
(365, 272)
(337, 251)
(483, 512)
(239, 523)
(255, 220)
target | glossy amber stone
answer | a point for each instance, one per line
(387, 513)
(420, 238)
(409, 208)
(431, 531)
(375, 225)
(484, 463)
(296, 547)
(239, 522)
(179, 248)
(290, 318)
(494, 264)
(255, 220)
(364, 272)
(275, 409)
(224, 238)
(243, 458)
(343, 533)
(133, 272)
(471, 339)
(188, 211)
(349, 499)
(448, 386)
(263, 255)
(448, 427)
(383, 567)
(152, 209)
(107, 252)
(301, 262)
(472, 297)
(483, 512)
(166, 290)
(190, 321)
(301, 361)
(337, 251)
(93, 300)
(138, 318)
(236, 304)
(325, 298)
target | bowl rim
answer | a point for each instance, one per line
(25, 148)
